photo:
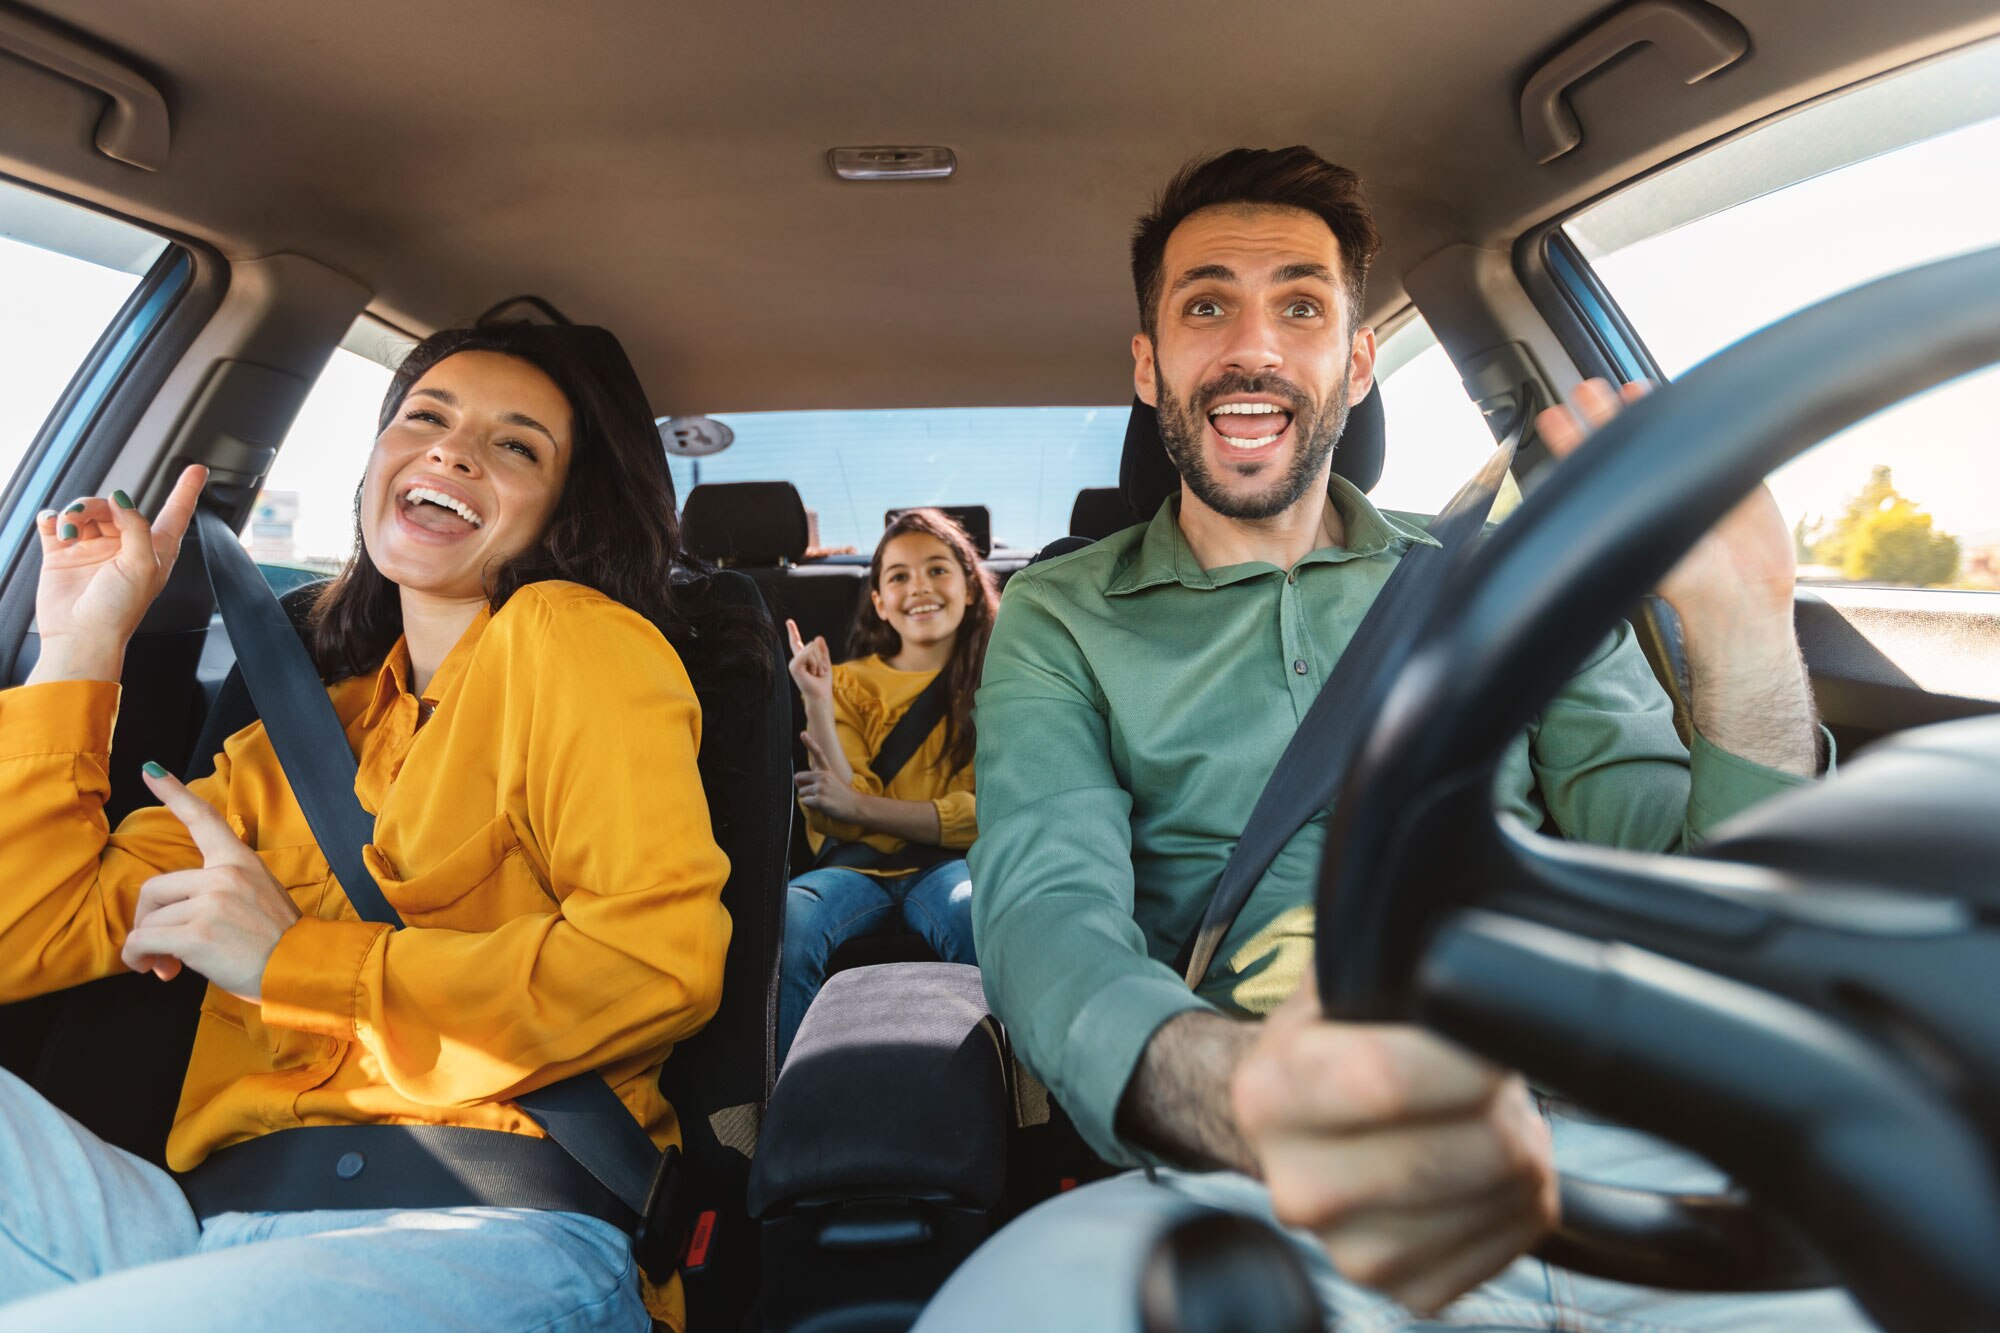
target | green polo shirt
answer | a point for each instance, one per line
(1133, 705)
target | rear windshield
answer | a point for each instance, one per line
(1025, 464)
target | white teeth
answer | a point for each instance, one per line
(1257, 443)
(459, 507)
(1246, 410)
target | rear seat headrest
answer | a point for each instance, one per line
(746, 523)
(1146, 476)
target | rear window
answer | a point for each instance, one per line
(1025, 464)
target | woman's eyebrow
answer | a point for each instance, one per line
(450, 399)
(523, 419)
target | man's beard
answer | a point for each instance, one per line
(1182, 425)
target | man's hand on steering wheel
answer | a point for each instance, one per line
(1423, 1169)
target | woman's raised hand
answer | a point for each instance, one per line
(102, 566)
(811, 667)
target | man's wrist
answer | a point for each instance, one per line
(1751, 696)
(1177, 1104)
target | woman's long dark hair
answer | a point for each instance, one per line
(614, 528)
(871, 634)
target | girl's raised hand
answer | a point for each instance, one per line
(102, 566)
(811, 666)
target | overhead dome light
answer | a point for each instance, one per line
(889, 163)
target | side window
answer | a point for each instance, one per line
(302, 526)
(1436, 436)
(1896, 174)
(65, 272)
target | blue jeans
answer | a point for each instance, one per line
(826, 908)
(92, 1237)
(1084, 1252)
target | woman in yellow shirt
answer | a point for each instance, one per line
(505, 655)
(891, 856)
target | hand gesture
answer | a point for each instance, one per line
(1424, 1170)
(1744, 566)
(821, 788)
(102, 566)
(811, 666)
(223, 920)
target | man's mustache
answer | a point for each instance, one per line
(1275, 385)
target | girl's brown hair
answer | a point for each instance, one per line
(871, 634)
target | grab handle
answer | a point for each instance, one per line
(134, 128)
(1700, 39)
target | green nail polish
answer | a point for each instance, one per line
(76, 508)
(68, 532)
(154, 770)
(124, 500)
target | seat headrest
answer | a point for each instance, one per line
(1146, 476)
(1098, 512)
(977, 520)
(745, 523)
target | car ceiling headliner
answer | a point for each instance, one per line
(660, 167)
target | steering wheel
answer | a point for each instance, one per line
(1810, 1000)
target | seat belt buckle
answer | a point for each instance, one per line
(662, 1230)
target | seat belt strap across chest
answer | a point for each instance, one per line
(912, 729)
(581, 1113)
(1308, 774)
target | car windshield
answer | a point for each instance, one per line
(1025, 464)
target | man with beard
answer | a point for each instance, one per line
(1138, 693)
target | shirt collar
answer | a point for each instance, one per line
(1163, 555)
(392, 679)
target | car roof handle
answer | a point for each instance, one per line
(135, 128)
(1698, 38)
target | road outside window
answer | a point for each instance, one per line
(1702, 254)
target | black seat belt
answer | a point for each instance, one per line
(1309, 772)
(581, 1113)
(916, 724)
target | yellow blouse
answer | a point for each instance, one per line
(869, 698)
(544, 837)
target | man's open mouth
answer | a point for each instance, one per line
(1249, 425)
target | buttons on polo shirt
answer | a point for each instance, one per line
(1299, 665)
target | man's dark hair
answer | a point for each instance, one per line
(1294, 177)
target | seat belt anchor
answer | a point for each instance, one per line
(662, 1230)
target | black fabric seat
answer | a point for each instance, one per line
(761, 529)
(1147, 476)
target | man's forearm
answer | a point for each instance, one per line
(1750, 693)
(1177, 1104)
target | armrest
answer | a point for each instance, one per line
(898, 1081)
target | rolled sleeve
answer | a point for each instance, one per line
(1724, 785)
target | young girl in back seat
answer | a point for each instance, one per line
(890, 855)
